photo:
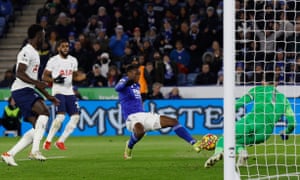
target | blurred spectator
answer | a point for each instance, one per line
(90, 8)
(183, 34)
(104, 63)
(159, 8)
(166, 37)
(174, 93)
(152, 18)
(83, 82)
(117, 44)
(258, 74)
(95, 54)
(103, 39)
(293, 73)
(77, 20)
(173, 6)
(104, 18)
(205, 77)
(52, 14)
(113, 76)
(8, 79)
(93, 27)
(81, 56)
(151, 36)
(149, 75)
(209, 25)
(45, 54)
(183, 15)
(196, 47)
(155, 93)
(44, 23)
(192, 7)
(52, 41)
(240, 75)
(71, 39)
(279, 75)
(119, 19)
(220, 79)
(11, 118)
(181, 57)
(147, 50)
(132, 5)
(95, 77)
(63, 26)
(166, 70)
(217, 62)
(126, 59)
(136, 42)
(137, 19)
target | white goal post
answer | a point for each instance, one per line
(229, 84)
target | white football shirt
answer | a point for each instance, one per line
(64, 67)
(29, 56)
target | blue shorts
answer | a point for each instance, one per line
(25, 98)
(68, 104)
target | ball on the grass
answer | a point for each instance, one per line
(208, 142)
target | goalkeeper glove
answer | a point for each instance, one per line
(59, 79)
(129, 83)
(284, 136)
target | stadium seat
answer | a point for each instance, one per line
(191, 78)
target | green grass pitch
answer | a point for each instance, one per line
(155, 157)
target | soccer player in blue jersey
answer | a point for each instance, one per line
(32, 105)
(137, 120)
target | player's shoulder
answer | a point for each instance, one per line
(53, 58)
(72, 58)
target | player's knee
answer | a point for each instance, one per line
(74, 120)
(139, 130)
(58, 120)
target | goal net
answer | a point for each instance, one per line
(268, 40)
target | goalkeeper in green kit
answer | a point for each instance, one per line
(257, 126)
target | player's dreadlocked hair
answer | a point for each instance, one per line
(33, 30)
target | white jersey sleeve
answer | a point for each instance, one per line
(64, 67)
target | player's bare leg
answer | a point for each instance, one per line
(136, 136)
(180, 131)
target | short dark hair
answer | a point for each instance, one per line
(33, 30)
(132, 67)
(270, 77)
(61, 41)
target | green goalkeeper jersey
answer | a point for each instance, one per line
(268, 106)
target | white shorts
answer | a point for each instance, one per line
(150, 121)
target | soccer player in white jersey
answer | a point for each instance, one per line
(32, 105)
(61, 70)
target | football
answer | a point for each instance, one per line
(208, 142)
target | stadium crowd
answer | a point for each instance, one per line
(175, 42)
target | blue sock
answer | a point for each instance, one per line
(132, 141)
(182, 132)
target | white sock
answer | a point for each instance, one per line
(69, 128)
(25, 141)
(39, 131)
(55, 126)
